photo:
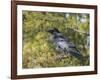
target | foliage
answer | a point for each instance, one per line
(38, 50)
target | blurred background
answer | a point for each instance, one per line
(39, 51)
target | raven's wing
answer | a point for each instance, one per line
(64, 41)
(74, 52)
(71, 45)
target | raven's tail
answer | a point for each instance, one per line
(78, 56)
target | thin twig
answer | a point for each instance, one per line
(83, 32)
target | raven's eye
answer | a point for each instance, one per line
(59, 47)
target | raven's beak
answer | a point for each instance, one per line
(50, 31)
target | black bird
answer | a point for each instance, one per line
(63, 44)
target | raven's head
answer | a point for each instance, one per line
(53, 31)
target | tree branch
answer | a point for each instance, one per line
(76, 30)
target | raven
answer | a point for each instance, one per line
(63, 44)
